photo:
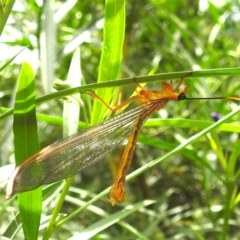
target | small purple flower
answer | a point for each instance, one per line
(215, 116)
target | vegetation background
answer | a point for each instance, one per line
(190, 194)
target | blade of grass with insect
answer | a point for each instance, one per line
(141, 79)
(82, 150)
(157, 161)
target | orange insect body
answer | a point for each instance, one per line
(143, 98)
(69, 156)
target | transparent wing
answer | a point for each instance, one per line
(75, 153)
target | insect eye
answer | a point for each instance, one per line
(181, 96)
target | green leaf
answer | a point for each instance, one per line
(110, 64)
(5, 10)
(26, 144)
(10, 60)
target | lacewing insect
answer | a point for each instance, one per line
(71, 155)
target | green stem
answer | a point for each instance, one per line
(51, 225)
(227, 209)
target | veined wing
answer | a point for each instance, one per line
(71, 155)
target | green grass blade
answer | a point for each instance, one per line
(182, 145)
(13, 228)
(140, 79)
(5, 10)
(153, 163)
(110, 63)
(26, 144)
(191, 123)
(71, 113)
(5, 65)
(48, 45)
(110, 220)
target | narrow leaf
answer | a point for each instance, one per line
(26, 144)
(99, 226)
(110, 64)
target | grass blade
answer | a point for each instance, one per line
(110, 64)
(26, 144)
